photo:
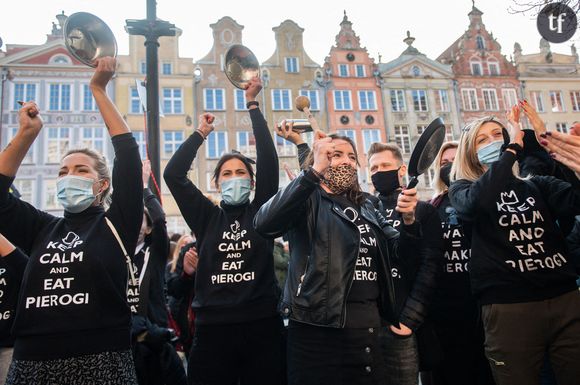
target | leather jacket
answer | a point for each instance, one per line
(324, 246)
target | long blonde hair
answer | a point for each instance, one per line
(467, 165)
(440, 186)
(181, 242)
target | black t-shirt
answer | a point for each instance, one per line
(12, 268)
(362, 307)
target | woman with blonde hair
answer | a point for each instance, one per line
(520, 268)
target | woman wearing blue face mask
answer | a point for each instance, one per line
(238, 332)
(72, 320)
(520, 269)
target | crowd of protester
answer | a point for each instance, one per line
(318, 282)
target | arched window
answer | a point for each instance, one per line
(416, 71)
(60, 59)
(480, 42)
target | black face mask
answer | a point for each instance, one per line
(386, 182)
(444, 173)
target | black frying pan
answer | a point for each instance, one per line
(426, 150)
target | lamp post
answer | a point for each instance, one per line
(152, 28)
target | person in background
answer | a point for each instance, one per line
(72, 322)
(454, 312)
(12, 265)
(238, 331)
(520, 268)
(281, 256)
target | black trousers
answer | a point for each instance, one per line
(250, 353)
(329, 356)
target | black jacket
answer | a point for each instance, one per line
(324, 246)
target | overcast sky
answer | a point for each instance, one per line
(381, 25)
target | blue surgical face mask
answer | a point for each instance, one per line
(75, 193)
(236, 191)
(489, 153)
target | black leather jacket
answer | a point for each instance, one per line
(324, 247)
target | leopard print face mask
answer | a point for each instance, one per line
(340, 178)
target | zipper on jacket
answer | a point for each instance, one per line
(302, 277)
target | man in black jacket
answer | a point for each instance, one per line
(415, 278)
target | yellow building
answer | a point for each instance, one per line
(176, 103)
(551, 83)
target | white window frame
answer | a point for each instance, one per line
(163, 68)
(575, 100)
(370, 136)
(60, 153)
(478, 64)
(348, 132)
(370, 106)
(346, 73)
(493, 63)
(552, 95)
(212, 93)
(72, 96)
(134, 98)
(313, 95)
(248, 150)
(510, 97)
(562, 127)
(143, 67)
(402, 103)
(538, 96)
(282, 106)
(291, 64)
(421, 107)
(471, 94)
(18, 182)
(141, 140)
(207, 146)
(26, 96)
(93, 104)
(93, 141)
(342, 93)
(403, 140)
(491, 106)
(237, 106)
(444, 104)
(356, 70)
(173, 142)
(172, 101)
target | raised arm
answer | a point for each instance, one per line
(194, 206)
(266, 157)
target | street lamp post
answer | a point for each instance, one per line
(152, 28)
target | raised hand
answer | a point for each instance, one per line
(253, 88)
(532, 115)
(564, 148)
(322, 149)
(284, 130)
(103, 73)
(206, 125)
(29, 119)
(406, 205)
(190, 261)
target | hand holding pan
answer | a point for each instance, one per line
(426, 150)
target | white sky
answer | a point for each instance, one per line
(381, 25)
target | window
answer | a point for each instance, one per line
(360, 71)
(538, 100)
(342, 100)
(442, 100)
(285, 147)
(136, 106)
(94, 138)
(348, 133)
(213, 99)
(419, 100)
(370, 137)
(510, 97)
(367, 101)
(57, 144)
(29, 157)
(50, 200)
(240, 99)
(216, 144)
(490, 99)
(416, 71)
(176, 225)
(143, 67)
(448, 133)
(59, 97)
(25, 187)
(398, 100)
(59, 59)
(420, 129)
(476, 68)
(557, 101)
(343, 70)
(562, 127)
(171, 142)
(480, 42)
(469, 97)
(429, 176)
(141, 143)
(292, 64)
(246, 143)
(281, 100)
(575, 97)
(23, 92)
(210, 181)
(172, 101)
(493, 68)
(89, 103)
(167, 69)
(402, 138)
(313, 96)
